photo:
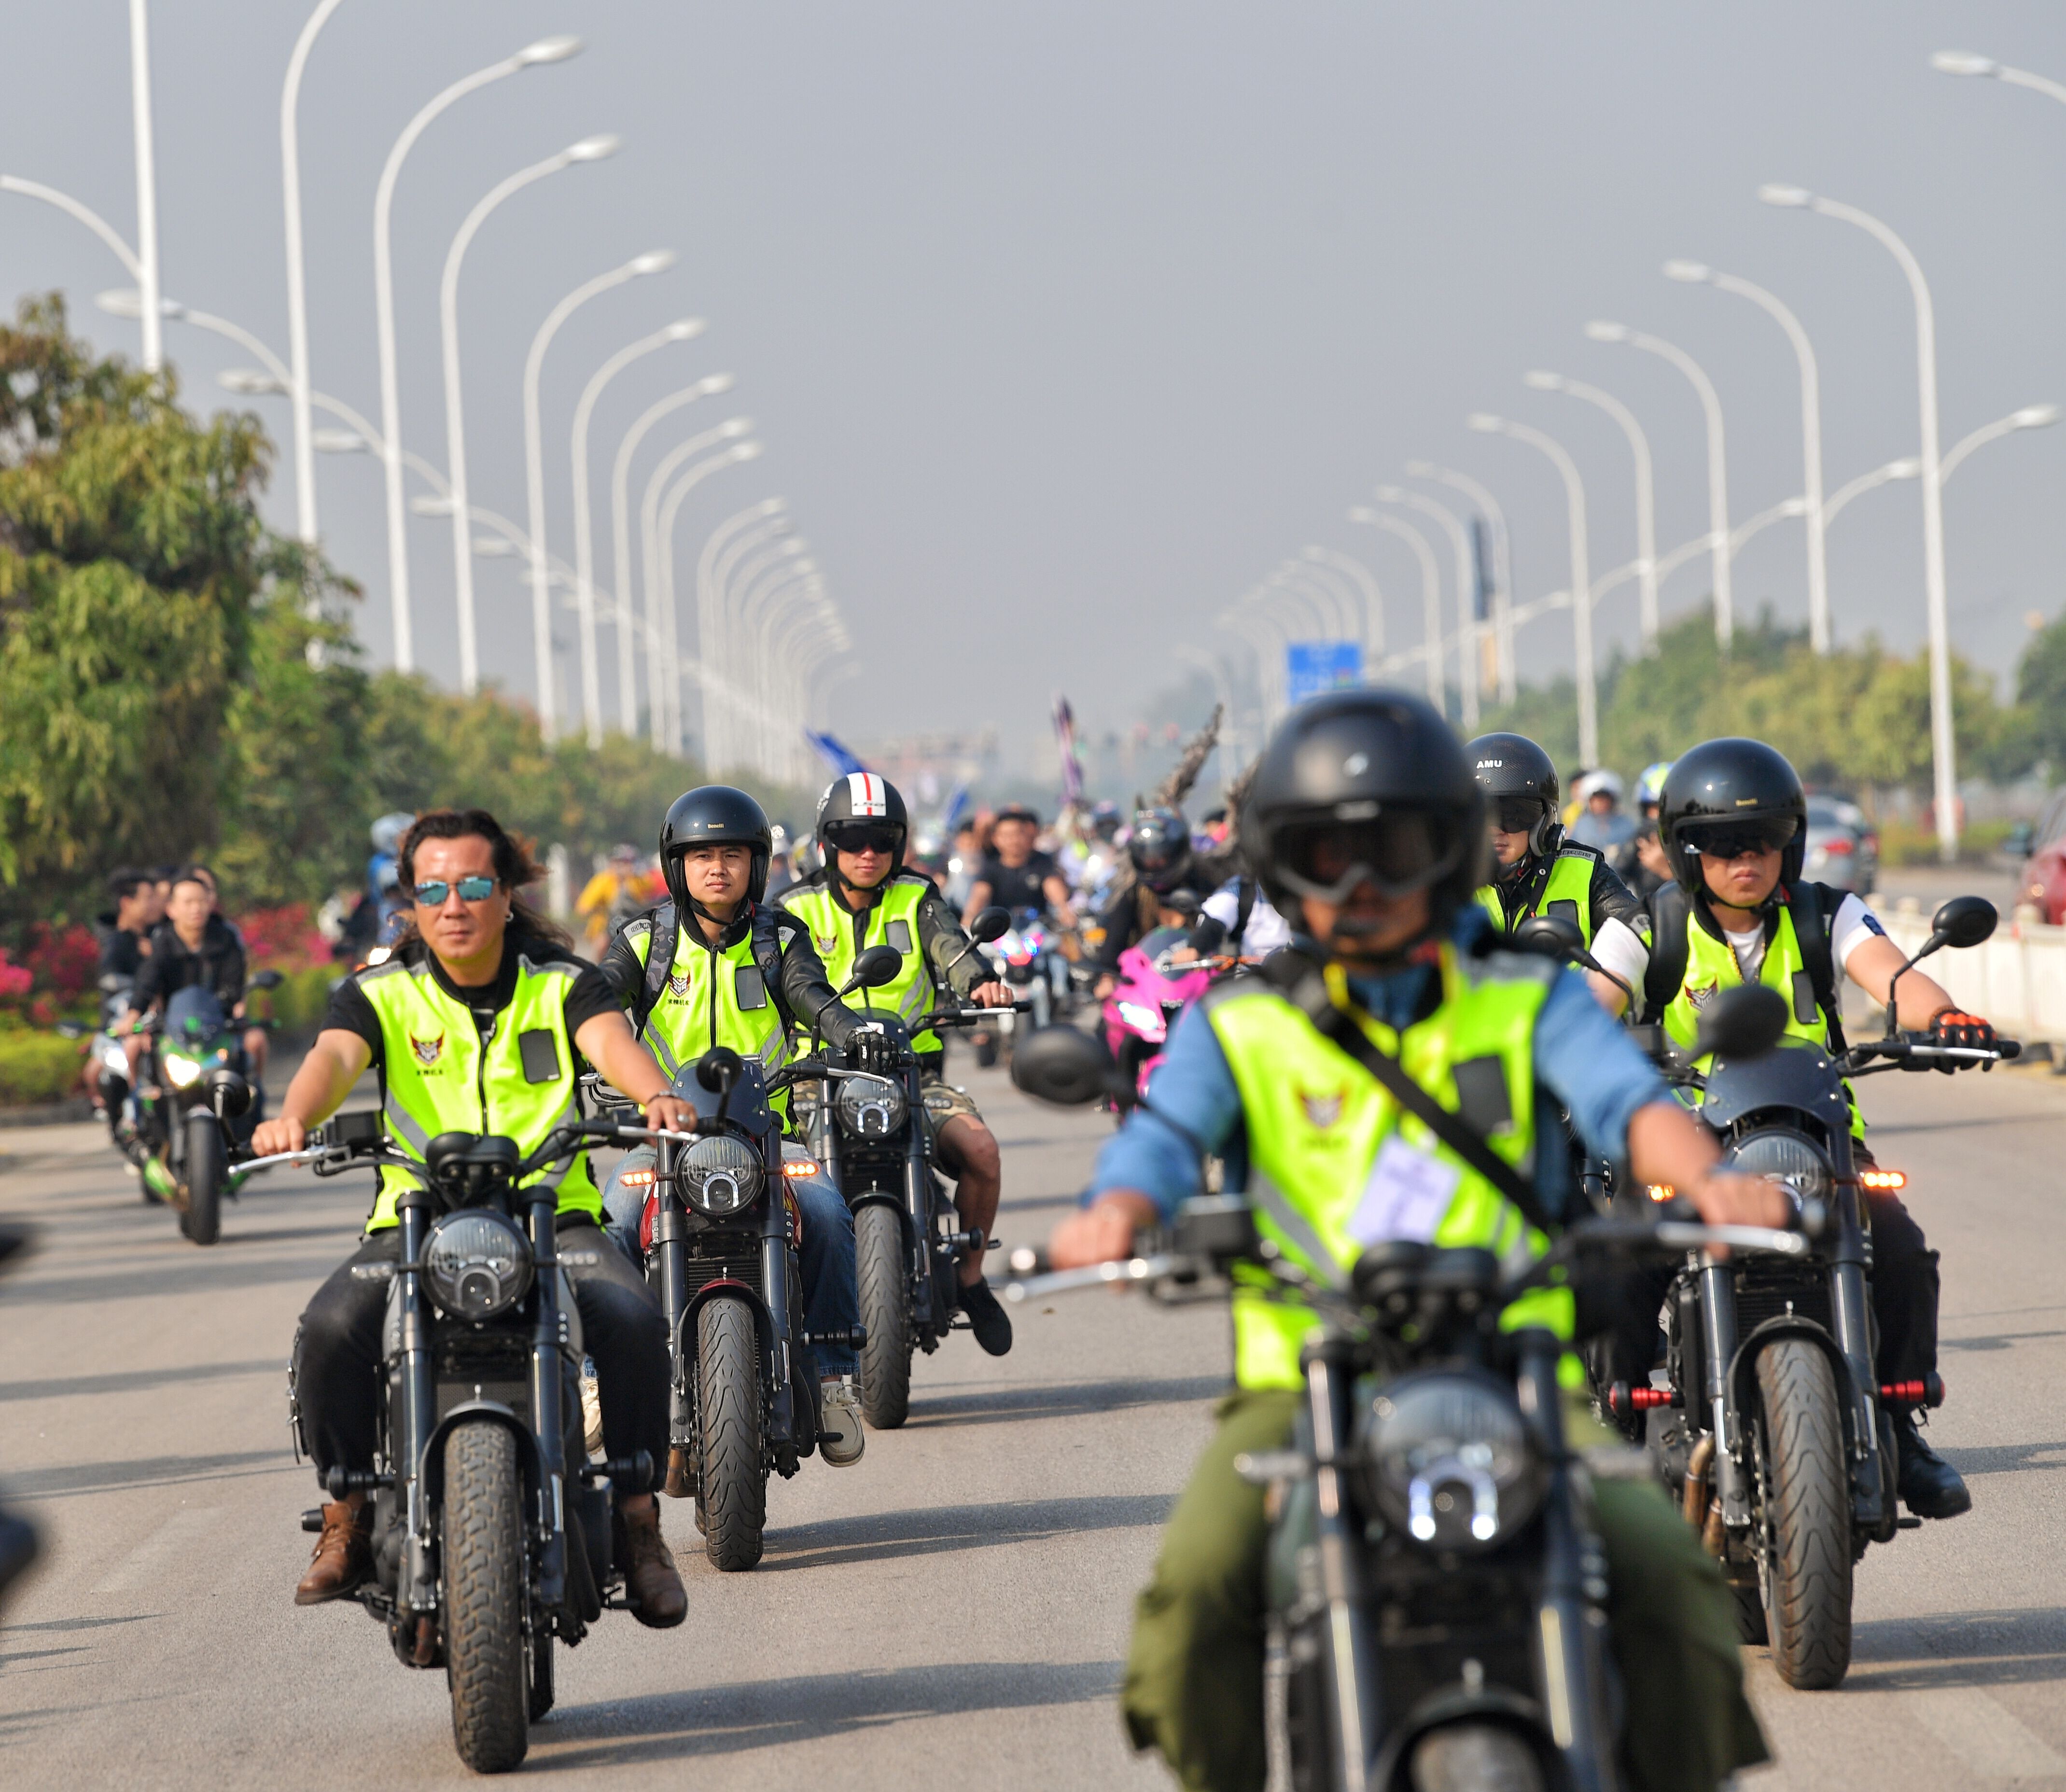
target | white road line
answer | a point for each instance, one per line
(182, 1528)
(1982, 1732)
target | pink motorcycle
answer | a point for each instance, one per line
(1145, 1002)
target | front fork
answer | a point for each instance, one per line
(420, 1405)
(1851, 1309)
(548, 1342)
(1354, 1700)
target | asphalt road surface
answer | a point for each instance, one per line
(951, 1611)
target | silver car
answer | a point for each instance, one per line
(1843, 851)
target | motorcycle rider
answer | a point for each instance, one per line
(1651, 870)
(1014, 876)
(1538, 870)
(124, 932)
(1599, 822)
(192, 945)
(1159, 863)
(863, 896)
(716, 965)
(454, 1024)
(1734, 822)
(1364, 821)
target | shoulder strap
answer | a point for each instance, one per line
(659, 964)
(766, 947)
(1670, 910)
(1309, 994)
(1244, 905)
(1811, 930)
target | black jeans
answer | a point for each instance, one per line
(337, 1350)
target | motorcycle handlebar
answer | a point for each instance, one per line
(1897, 1050)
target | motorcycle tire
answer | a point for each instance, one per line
(488, 1665)
(883, 1271)
(1474, 1757)
(1805, 1573)
(730, 1419)
(541, 1688)
(207, 1170)
(985, 1050)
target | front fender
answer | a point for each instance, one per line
(430, 1469)
(1872, 1485)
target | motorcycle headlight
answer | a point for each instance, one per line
(182, 1071)
(720, 1175)
(1787, 1157)
(1445, 1457)
(871, 1107)
(1146, 1021)
(478, 1264)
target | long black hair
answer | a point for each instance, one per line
(514, 867)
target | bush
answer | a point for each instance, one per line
(298, 1004)
(38, 1067)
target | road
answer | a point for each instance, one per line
(954, 1610)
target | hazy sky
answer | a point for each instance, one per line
(1065, 322)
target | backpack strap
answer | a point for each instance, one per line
(1671, 913)
(1811, 930)
(767, 949)
(1244, 905)
(659, 964)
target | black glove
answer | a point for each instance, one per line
(1954, 1027)
(874, 1052)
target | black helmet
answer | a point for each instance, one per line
(1160, 847)
(1380, 764)
(714, 815)
(860, 803)
(1511, 769)
(1733, 787)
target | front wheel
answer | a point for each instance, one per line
(207, 1167)
(541, 1676)
(729, 1416)
(485, 1649)
(883, 1271)
(1804, 1571)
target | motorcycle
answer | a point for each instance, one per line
(195, 1105)
(491, 1531)
(1769, 1424)
(867, 1130)
(1434, 1584)
(1026, 953)
(1150, 994)
(110, 1062)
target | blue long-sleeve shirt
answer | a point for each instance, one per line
(1583, 1056)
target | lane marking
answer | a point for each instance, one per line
(182, 1528)
(1992, 1742)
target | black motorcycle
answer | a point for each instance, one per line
(492, 1530)
(1768, 1423)
(1434, 1580)
(868, 1130)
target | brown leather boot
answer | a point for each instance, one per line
(344, 1554)
(651, 1586)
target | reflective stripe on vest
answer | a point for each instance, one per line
(437, 1077)
(1570, 881)
(1711, 966)
(892, 922)
(1316, 1121)
(712, 999)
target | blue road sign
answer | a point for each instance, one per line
(1312, 667)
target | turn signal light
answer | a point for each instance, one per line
(801, 1167)
(1882, 1179)
(637, 1178)
(1662, 1191)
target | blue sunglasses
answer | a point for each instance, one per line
(471, 890)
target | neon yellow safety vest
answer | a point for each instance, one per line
(841, 936)
(712, 999)
(1318, 1124)
(1568, 893)
(1711, 966)
(437, 1075)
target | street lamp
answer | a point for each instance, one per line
(681, 330)
(2031, 416)
(1699, 273)
(1964, 62)
(738, 535)
(654, 261)
(1467, 656)
(535, 55)
(669, 620)
(1267, 639)
(1431, 595)
(1581, 606)
(588, 149)
(1909, 467)
(1646, 494)
(1718, 476)
(147, 182)
(1943, 740)
(649, 515)
(715, 569)
(1502, 564)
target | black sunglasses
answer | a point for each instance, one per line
(1517, 814)
(865, 838)
(1733, 839)
(432, 894)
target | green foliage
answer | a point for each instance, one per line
(38, 1066)
(2040, 696)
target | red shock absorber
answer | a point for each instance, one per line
(1928, 1392)
(1622, 1399)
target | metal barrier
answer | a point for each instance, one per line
(2017, 978)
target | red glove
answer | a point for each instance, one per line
(1954, 1027)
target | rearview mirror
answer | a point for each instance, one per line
(992, 923)
(1741, 1023)
(267, 979)
(1964, 922)
(875, 966)
(719, 1068)
(1064, 1065)
(1207, 936)
(1550, 936)
(229, 1094)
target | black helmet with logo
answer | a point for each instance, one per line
(1159, 843)
(1728, 796)
(714, 815)
(857, 807)
(1366, 786)
(1520, 783)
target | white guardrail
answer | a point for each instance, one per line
(2017, 978)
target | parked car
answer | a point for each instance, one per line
(1843, 850)
(2043, 849)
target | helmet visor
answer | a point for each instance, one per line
(1733, 839)
(863, 837)
(1154, 850)
(1517, 814)
(1397, 852)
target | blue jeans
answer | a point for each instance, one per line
(832, 1293)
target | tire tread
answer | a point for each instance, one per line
(1808, 1595)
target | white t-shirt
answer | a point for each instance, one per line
(1854, 925)
(1619, 947)
(1267, 929)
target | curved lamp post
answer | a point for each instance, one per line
(1502, 564)
(656, 592)
(1431, 594)
(670, 629)
(1645, 566)
(1467, 654)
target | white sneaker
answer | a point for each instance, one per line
(841, 1401)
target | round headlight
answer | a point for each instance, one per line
(1780, 1156)
(1445, 1457)
(478, 1264)
(720, 1175)
(871, 1107)
(182, 1071)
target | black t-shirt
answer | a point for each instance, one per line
(219, 965)
(588, 995)
(1018, 887)
(121, 948)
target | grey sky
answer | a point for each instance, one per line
(1065, 322)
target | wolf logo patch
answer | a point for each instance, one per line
(678, 985)
(428, 1051)
(1700, 998)
(1322, 1109)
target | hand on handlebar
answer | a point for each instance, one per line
(992, 995)
(273, 1138)
(1727, 1197)
(668, 1113)
(1102, 1232)
(874, 1050)
(1954, 1027)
